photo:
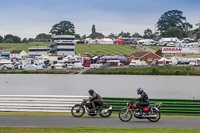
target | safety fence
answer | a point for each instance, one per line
(39, 103)
(170, 106)
(61, 103)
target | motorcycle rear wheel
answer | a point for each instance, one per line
(107, 114)
(78, 111)
(155, 112)
(123, 116)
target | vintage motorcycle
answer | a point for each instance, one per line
(152, 112)
(79, 110)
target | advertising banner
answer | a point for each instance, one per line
(168, 50)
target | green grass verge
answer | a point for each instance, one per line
(45, 71)
(95, 130)
(167, 70)
(114, 114)
(104, 49)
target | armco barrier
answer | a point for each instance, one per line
(39, 103)
(170, 106)
(61, 103)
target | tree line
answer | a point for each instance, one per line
(171, 24)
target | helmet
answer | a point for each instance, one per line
(139, 90)
(91, 91)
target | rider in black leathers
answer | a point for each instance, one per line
(96, 99)
(143, 100)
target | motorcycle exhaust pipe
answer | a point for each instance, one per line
(106, 110)
(149, 116)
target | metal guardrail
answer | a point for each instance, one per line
(170, 106)
(39, 103)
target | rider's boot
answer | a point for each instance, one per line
(93, 107)
(141, 112)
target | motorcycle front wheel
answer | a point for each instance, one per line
(78, 111)
(125, 115)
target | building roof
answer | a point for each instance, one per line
(16, 51)
(142, 54)
(38, 47)
(139, 54)
(63, 36)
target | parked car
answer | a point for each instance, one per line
(155, 62)
(106, 65)
(97, 65)
(78, 66)
(120, 64)
(31, 67)
(194, 62)
(70, 65)
(58, 66)
(171, 44)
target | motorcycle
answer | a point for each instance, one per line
(79, 110)
(152, 113)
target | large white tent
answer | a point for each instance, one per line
(105, 41)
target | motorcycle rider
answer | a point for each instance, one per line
(96, 99)
(143, 100)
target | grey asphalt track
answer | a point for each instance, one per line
(69, 121)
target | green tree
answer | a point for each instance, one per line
(11, 39)
(173, 18)
(96, 35)
(8, 40)
(198, 34)
(137, 35)
(173, 32)
(63, 28)
(148, 34)
(42, 37)
(1, 39)
(31, 40)
(186, 28)
(77, 37)
(93, 29)
(24, 40)
(124, 34)
(84, 37)
(198, 24)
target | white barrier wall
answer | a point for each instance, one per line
(39, 103)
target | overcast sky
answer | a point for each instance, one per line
(27, 18)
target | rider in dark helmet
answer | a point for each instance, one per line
(143, 100)
(96, 99)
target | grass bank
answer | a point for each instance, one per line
(92, 49)
(95, 130)
(46, 71)
(105, 49)
(167, 70)
(20, 46)
(156, 48)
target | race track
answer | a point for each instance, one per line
(69, 121)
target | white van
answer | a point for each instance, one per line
(137, 63)
(194, 62)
